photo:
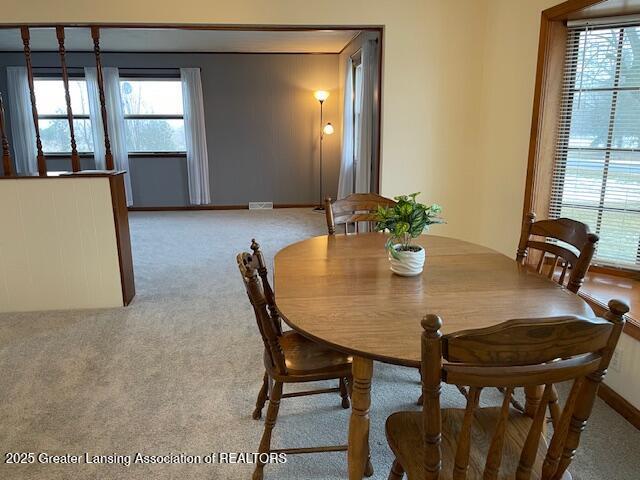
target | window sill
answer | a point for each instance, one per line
(157, 154)
(599, 288)
(67, 156)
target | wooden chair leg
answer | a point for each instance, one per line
(514, 403)
(262, 397)
(397, 472)
(349, 382)
(368, 468)
(463, 391)
(269, 423)
(344, 394)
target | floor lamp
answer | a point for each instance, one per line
(321, 96)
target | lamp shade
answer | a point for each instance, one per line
(321, 95)
(328, 129)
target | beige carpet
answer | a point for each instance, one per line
(178, 371)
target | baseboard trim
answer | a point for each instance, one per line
(216, 207)
(620, 405)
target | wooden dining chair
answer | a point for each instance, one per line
(554, 255)
(353, 210)
(500, 442)
(288, 357)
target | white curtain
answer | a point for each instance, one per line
(97, 128)
(115, 121)
(195, 133)
(365, 140)
(345, 180)
(23, 132)
(359, 137)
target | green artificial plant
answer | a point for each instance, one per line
(405, 221)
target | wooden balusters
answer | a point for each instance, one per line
(42, 165)
(108, 157)
(7, 166)
(75, 159)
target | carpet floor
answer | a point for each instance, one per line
(178, 371)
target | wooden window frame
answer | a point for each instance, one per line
(547, 103)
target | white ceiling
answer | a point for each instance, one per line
(177, 40)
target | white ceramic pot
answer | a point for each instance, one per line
(409, 264)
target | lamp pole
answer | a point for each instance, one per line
(320, 206)
(321, 96)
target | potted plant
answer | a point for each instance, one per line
(405, 221)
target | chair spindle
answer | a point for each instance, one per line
(494, 457)
(530, 447)
(554, 407)
(552, 267)
(464, 441)
(552, 458)
(565, 267)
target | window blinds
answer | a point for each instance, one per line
(596, 177)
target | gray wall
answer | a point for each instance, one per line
(262, 125)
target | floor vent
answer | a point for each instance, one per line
(260, 205)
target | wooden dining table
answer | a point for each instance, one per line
(338, 290)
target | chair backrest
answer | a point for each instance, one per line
(518, 353)
(353, 209)
(266, 286)
(554, 255)
(254, 276)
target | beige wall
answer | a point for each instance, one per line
(506, 96)
(58, 245)
(624, 371)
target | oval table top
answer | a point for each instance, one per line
(339, 290)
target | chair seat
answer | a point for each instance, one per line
(309, 359)
(405, 436)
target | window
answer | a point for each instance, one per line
(52, 115)
(596, 176)
(153, 115)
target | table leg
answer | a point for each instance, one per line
(358, 453)
(532, 395)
